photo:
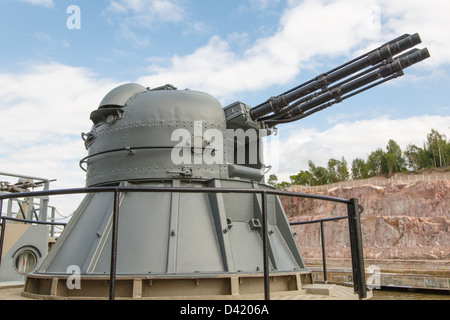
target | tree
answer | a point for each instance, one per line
(283, 185)
(437, 145)
(342, 170)
(376, 163)
(333, 170)
(391, 163)
(396, 162)
(302, 178)
(273, 179)
(413, 156)
(360, 169)
(435, 152)
(320, 174)
(337, 170)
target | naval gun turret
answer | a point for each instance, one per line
(199, 244)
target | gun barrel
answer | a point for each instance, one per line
(387, 72)
(378, 63)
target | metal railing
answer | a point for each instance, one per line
(3, 220)
(352, 209)
(40, 216)
(322, 238)
(359, 282)
(357, 257)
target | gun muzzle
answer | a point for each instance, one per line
(406, 60)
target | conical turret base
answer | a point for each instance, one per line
(172, 244)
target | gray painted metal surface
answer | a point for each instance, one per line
(135, 141)
(131, 143)
(176, 233)
(197, 234)
(25, 247)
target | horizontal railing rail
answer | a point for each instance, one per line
(50, 223)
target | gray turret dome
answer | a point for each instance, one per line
(134, 135)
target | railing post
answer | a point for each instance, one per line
(2, 234)
(30, 208)
(324, 260)
(265, 249)
(52, 227)
(43, 206)
(115, 225)
(354, 222)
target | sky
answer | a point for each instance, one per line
(59, 58)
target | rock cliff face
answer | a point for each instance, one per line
(400, 221)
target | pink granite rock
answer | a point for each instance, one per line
(400, 221)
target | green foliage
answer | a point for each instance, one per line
(272, 181)
(439, 148)
(302, 178)
(435, 153)
(320, 174)
(377, 163)
(360, 169)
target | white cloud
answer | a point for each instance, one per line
(352, 140)
(309, 31)
(44, 112)
(45, 3)
(429, 19)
